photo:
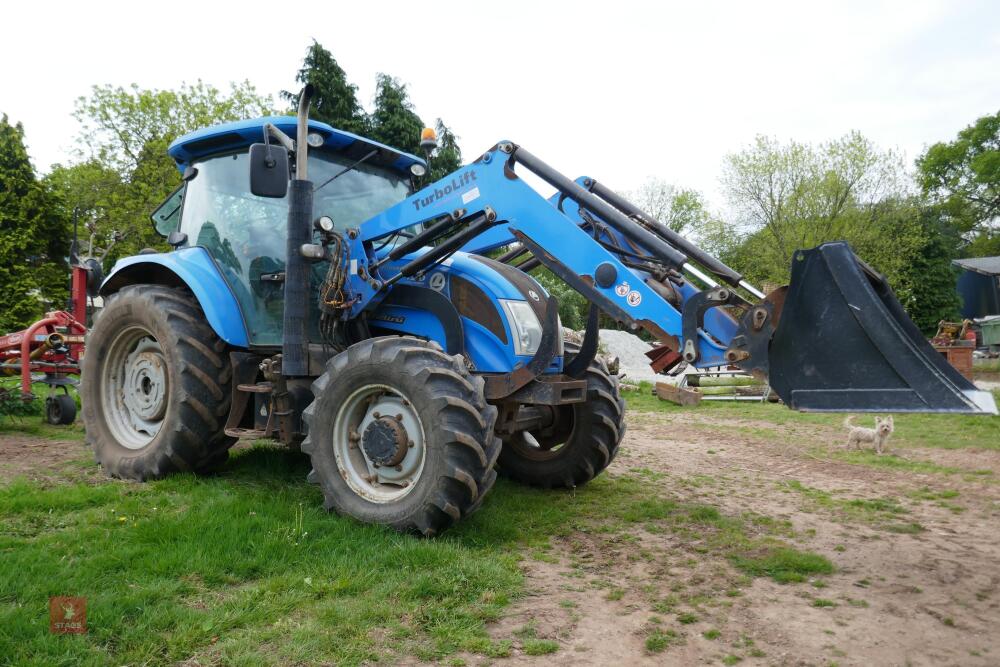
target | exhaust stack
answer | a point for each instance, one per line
(295, 348)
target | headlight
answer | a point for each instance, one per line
(525, 326)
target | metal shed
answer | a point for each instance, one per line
(979, 286)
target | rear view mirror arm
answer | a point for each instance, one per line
(286, 141)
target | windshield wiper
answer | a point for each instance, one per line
(343, 171)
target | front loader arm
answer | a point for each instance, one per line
(489, 187)
(835, 340)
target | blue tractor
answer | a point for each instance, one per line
(320, 293)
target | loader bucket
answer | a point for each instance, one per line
(844, 344)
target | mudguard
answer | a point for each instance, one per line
(844, 343)
(194, 269)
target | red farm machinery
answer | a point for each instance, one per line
(49, 352)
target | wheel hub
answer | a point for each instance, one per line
(385, 441)
(145, 383)
(379, 443)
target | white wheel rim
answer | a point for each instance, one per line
(376, 483)
(134, 387)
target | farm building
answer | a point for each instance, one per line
(979, 286)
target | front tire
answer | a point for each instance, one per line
(400, 434)
(156, 386)
(582, 441)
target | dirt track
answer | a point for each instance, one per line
(927, 598)
(38, 459)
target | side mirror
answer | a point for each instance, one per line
(268, 170)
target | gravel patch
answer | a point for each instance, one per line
(631, 352)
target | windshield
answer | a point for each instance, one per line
(246, 234)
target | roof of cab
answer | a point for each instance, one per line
(233, 136)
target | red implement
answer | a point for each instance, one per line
(53, 345)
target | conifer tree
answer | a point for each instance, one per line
(334, 99)
(34, 237)
(394, 122)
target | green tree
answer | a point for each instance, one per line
(394, 122)
(123, 171)
(573, 308)
(680, 209)
(334, 99)
(34, 236)
(122, 127)
(962, 177)
(929, 285)
(448, 156)
(792, 196)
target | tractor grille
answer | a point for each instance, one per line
(472, 302)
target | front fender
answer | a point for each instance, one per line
(192, 268)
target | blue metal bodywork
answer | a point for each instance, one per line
(487, 353)
(195, 268)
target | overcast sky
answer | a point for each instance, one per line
(616, 90)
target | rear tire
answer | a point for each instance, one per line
(445, 468)
(156, 386)
(583, 441)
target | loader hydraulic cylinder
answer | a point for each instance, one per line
(426, 236)
(478, 225)
(731, 276)
(711, 263)
(657, 246)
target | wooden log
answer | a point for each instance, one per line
(678, 395)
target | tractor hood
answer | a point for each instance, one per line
(478, 292)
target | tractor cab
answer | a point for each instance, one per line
(245, 234)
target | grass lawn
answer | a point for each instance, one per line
(912, 430)
(246, 568)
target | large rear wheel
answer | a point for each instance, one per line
(156, 385)
(400, 434)
(581, 441)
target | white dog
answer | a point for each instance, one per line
(878, 436)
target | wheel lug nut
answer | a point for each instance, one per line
(399, 468)
(399, 418)
(376, 415)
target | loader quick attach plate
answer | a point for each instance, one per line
(843, 343)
